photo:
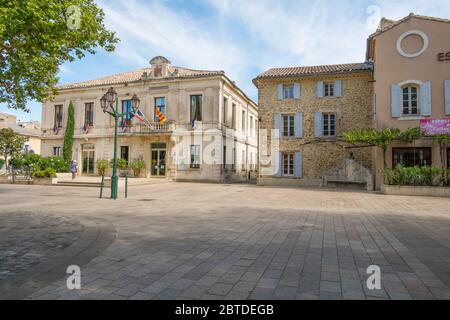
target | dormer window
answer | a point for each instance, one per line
(410, 100)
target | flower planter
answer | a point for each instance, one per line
(421, 191)
(45, 181)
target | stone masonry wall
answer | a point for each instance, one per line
(353, 110)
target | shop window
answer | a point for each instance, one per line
(411, 157)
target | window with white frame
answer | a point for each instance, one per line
(329, 124)
(288, 164)
(195, 157)
(243, 160)
(288, 125)
(328, 89)
(56, 151)
(288, 91)
(410, 100)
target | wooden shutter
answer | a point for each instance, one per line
(338, 88)
(298, 165)
(320, 89)
(297, 90)
(277, 121)
(298, 123)
(425, 99)
(396, 101)
(280, 91)
(278, 163)
(318, 124)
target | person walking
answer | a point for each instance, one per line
(74, 169)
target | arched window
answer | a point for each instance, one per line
(410, 100)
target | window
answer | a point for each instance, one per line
(233, 116)
(410, 101)
(233, 163)
(224, 157)
(196, 108)
(243, 160)
(58, 116)
(195, 157)
(288, 126)
(288, 91)
(160, 105)
(411, 157)
(288, 164)
(89, 114)
(329, 124)
(251, 126)
(126, 107)
(225, 110)
(56, 151)
(124, 152)
(243, 120)
(328, 88)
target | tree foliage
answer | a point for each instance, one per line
(37, 36)
(10, 143)
(372, 137)
(68, 135)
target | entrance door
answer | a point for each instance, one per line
(158, 159)
(448, 158)
(88, 159)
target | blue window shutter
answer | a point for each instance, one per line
(447, 97)
(338, 88)
(298, 122)
(298, 165)
(425, 98)
(280, 91)
(277, 120)
(278, 161)
(320, 89)
(318, 124)
(396, 101)
(297, 90)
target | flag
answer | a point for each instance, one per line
(139, 115)
(162, 118)
(124, 125)
(86, 127)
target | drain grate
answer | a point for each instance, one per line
(147, 200)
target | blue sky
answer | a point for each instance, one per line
(241, 37)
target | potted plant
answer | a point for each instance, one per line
(137, 166)
(44, 177)
(102, 165)
(122, 165)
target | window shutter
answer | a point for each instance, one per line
(318, 124)
(277, 165)
(320, 89)
(396, 101)
(277, 120)
(425, 98)
(338, 88)
(280, 91)
(298, 121)
(447, 97)
(298, 165)
(297, 90)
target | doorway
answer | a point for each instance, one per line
(448, 158)
(158, 160)
(88, 155)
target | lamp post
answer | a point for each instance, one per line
(110, 105)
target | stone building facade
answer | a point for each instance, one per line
(318, 104)
(209, 134)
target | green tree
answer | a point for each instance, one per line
(372, 137)
(10, 143)
(68, 135)
(37, 36)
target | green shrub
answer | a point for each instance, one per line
(2, 162)
(415, 176)
(122, 164)
(46, 173)
(56, 163)
(17, 163)
(137, 165)
(102, 165)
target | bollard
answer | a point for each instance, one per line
(126, 186)
(101, 187)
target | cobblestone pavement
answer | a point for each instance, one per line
(205, 241)
(27, 239)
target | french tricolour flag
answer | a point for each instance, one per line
(139, 115)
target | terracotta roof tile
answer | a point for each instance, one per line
(315, 70)
(133, 76)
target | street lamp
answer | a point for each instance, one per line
(107, 102)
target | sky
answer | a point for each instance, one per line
(241, 37)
